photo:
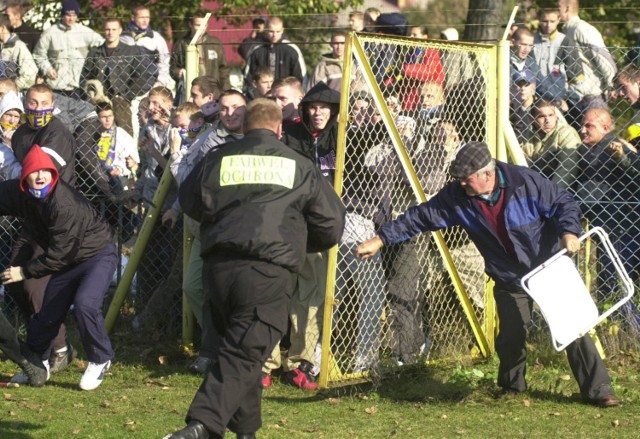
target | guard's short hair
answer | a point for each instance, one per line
(262, 113)
(262, 72)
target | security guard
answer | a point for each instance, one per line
(262, 206)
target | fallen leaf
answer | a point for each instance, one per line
(12, 413)
(615, 423)
(371, 410)
(163, 359)
(554, 414)
(444, 417)
(597, 416)
(105, 404)
(565, 377)
(78, 405)
(527, 403)
(8, 396)
(75, 431)
(129, 422)
(334, 401)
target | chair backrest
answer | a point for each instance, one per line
(563, 299)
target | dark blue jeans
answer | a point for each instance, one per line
(84, 286)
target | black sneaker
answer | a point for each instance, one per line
(59, 361)
(33, 367)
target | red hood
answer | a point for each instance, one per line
(35, 160)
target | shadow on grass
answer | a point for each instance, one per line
(15, 430)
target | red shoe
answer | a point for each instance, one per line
(300, 377)
(266, 380)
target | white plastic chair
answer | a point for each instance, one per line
(562, 296)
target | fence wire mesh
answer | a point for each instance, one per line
(401, 307)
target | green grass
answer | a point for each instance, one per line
(144, 398)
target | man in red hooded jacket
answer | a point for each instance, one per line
(79, 254)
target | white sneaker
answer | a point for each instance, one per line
(93, 375)
(22, 378)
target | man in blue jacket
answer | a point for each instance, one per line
(517, 219)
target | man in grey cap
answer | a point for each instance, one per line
(517, 219)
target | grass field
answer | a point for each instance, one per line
(147, 394)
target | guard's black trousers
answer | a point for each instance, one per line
(248, 302)
(514, 310)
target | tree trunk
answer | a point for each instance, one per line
(484, 20)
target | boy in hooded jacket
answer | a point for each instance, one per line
(79, 254)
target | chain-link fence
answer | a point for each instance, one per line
(410, 104)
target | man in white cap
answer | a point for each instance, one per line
(517, 219)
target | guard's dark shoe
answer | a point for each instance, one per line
(606, 401)
(300, 377)
(245, 435)
(59, 361)
(201, 366)
(33, 367)
(193, 430)
(506, 394)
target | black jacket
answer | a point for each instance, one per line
(287, 63)
(256, 198)
(321, 149)
(126, 72)
(64, 224)
(54, 136)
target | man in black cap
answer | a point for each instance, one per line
(517, 219)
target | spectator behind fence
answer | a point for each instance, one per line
(62, 49)
(255, 38)
(210, 53)
(488, 199)
(552, 146)
(370, 17)
(227, 129)
(249, 261)
(116, 150)
(521, 58)
(42, 128)
(261, 83)
(205, 92)
(27, 33)
(598, 66)
(139, 33)
(79, 256)
(16, 57)
(356, 21)
(559, 61)
(315, 137)
(422, 64)
(281, 56)
(123, 71)
(523, 96)
(608, 188)
(287, 93)
(11, 111)
(329, 69)
(628, 82)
